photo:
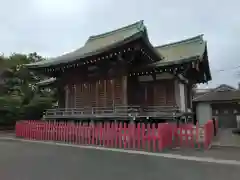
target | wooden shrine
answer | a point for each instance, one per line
(120, 74)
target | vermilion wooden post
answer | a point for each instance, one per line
(197, 136)
(56, 131)
(32, 128)
(143, 136)
(180, 136)
(138, 135)
(64, 131)
(26, 129)
(74, 133)
(187, 131)
(77, 133)
(130, 135)
(100, 133)
(93, 133)
(124, 136)
(149, 136)
(103, 134)
(23, 129)
(185, 135)
(70, 132)
(107, 134)
(40, 131)
(154, 135)
(29, 130)
(50, 131)
(60, 131)
(160, 138)
(20, 132)
(81, 133)
(116, 135)
(120, 135)
(89, 134)
(37, 131)
(112, 132)
(192, 136)
(45, 131)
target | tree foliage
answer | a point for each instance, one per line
(20, 98)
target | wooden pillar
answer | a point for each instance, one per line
(113, 93)
(74, 96)
(97, 96)
(124, 92)
(105, 93)
(66, 97)
(145, 95)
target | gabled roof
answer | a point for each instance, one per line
(98, 44)
(221, 93)
(219, 96)
(224, 87)
(182, 51)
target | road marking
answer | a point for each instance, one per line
(165, 155)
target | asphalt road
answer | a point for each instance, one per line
(30, 161)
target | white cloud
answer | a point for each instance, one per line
(59, 8)
(52, 27)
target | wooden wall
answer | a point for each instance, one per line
(164, 94)
(82, 92)
(98, 93)
(152, 93)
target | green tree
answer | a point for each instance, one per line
(20, 98)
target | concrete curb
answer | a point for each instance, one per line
(225, 146)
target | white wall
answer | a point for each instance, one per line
(177, 94)
(182, 96)
(203, 112)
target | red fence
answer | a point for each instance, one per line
(139, 136)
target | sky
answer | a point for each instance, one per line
(54, 27)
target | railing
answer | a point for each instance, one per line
(116, 111)
(138, 136)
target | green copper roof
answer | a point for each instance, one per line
(96, 44)
(182, 51)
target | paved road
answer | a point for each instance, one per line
(30, 161)
(227, 153)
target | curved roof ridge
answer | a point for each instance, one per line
(188, 40)
(138, 25)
